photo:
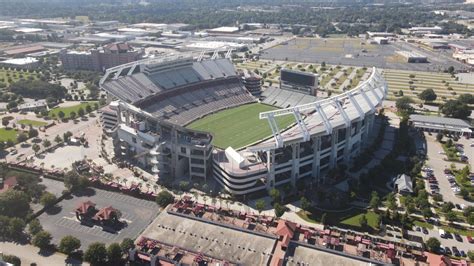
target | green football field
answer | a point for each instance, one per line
(239, 126)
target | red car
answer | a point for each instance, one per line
(470, 240)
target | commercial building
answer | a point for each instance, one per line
(23, 63)
(22, 50)
(224, 30)
(100, 59)
(413, 57)
(441, 124)
(374, 34)
(381, 40)
(420, 31)
(158, 97)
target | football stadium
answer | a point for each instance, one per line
(180, 116)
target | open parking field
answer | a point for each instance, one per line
(411, 83)
(356, 52)
(217, 241)
(8, 76)
(239, 126)
(61, 220)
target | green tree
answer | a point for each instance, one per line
(88, 108)
(305, 204)
(46, 143)
(61, 115)
(69, 244)
(470, 254)
(466, 98)
(36, 148)
(12, 259)
(433, 244)
(427, 95)
(391, 201)
(275, 194)
(16, 226)
(279, 209)
(324, 218)
(72, 115)
(164, 198)
(126, 245)
(32, 133)
(451, 216)
(403, 104)
(48, 199)
(363, 221)
(374, 201)
(14, 203)
(42, 239)
(114, 254)
(456, 109)
(470, 219)
(96, 254)
(439, 136)
(58, 139)
(81, 112)
(21, 137)
(34, 227)
(260, 205)
(5, 121)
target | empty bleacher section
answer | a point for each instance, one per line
(285, 98)
(182, 91)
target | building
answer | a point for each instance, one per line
(108, 116)
(373, 34)
(299, 81)
(403, 184)
(441, 124)
(252, 82)
(6, 184)
(33, 106)
(381, 40)
(158, 97)
(224, 30)
(20, 51)
(420, 31)
(23, 63)
(413, 57)
(100, 59)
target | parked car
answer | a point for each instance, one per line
(448, 171)
(463, 254)
(470, 239)
(458, 237)
(425, 231)
(447, 250)
(456, 252)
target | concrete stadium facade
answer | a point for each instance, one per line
(325, 133)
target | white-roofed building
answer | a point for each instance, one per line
(23, 63)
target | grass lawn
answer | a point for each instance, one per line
(8, 134)
(354, 220)
(460, 231)
(32, 122)
(75, 108)
(348, 218)
(423, 224)
(239, 126)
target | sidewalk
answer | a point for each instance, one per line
(29, 254)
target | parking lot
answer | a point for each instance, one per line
(357, 52)
(136, 213)
(438, 164)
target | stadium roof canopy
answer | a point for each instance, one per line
(440, 123)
